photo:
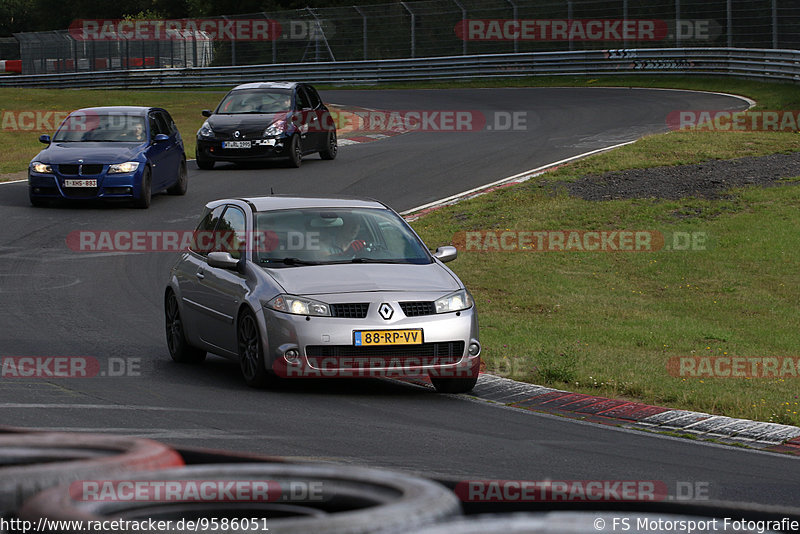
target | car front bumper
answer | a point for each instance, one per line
(109, 186)
(324, 347)
(260, 149)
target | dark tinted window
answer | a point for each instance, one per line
(230, 233)
(302, 99)
(255, 101)
(171, 128)
(158, 125)
(203, 238)
(313, 97)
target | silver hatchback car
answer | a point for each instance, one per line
(320, 287)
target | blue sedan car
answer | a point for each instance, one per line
(110, 153)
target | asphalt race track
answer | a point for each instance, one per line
(108, 306)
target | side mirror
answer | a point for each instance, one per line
(44, 139)
(223, 260)
(445, 254)
(206, 113)
(160, 138)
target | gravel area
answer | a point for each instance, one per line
(709, 179)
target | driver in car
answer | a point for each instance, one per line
(134, 133)
(343, 240)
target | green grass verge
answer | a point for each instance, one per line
(607, 323)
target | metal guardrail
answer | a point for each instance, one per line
(765, 64)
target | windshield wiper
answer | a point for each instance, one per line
(370, 260)
(289, 261)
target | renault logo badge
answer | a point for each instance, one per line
(386, 311)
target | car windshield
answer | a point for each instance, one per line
(256, 101)
(323, 236)
(111, 127)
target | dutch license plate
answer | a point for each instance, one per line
(370, 338)
(80, 183)
(236, 144)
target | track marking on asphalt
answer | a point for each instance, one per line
(61, 406)
(516, 178)
(161, 433)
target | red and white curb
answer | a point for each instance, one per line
(357, 127)
(756, 434)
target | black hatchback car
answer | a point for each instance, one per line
(261, 121)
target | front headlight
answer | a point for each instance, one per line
(276, 128)
(460, 300)
(38, 166)
(299, 306)
(119, 168)
(205, 130)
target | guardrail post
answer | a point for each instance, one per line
(233, 48)
(514, 16)
(774, 23)
(363, 28)
(413, 29)
(73, 52)
(463, 18)
(625, 17)
(729, 22)
(273, 38)
(569, 18)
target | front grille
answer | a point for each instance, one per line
(91, 170)
(71, 170)
(442, 353)
(84, 170)
(81, 192)
(415, 309)
(357, 310)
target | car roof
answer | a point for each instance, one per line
(279, 202)
(267, 85)
(130, 110)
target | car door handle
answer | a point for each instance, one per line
(200, 274)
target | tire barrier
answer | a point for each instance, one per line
(302, 499)
(33, 461)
